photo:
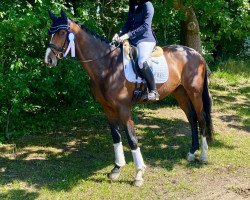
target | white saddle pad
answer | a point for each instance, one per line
(158, 66)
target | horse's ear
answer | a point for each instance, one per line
(63, 14)
(52, 16)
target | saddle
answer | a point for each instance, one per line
(131, 53)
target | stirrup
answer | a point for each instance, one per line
(152, 96)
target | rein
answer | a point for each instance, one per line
(88, 61)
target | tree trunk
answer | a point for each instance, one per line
(190, 31)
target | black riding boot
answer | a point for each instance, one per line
(149, 78)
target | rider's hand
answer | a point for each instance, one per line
(123, 37)
(115, 38)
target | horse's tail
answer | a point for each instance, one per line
(207, 105)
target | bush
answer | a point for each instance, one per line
(26, 84)
(28, 88)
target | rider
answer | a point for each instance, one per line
(139, 32)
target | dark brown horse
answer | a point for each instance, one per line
(103, 63)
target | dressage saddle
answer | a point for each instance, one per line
(131, 52)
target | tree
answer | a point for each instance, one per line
(26, 85)
(189, 27)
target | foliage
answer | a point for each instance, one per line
(224, 25)
(26, 84)
(27, 87)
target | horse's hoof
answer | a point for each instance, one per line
(138, 183)
(115, 173)
(113, 176)
(203, 160)
(190, 157)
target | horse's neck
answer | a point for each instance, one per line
(90, 48)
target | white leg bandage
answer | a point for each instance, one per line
(204, 148)
(204, 143)
(138, 160)
(119, 154)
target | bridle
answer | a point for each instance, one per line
(60, 50)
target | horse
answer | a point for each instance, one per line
(188, 83)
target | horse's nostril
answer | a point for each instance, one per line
(50, 60)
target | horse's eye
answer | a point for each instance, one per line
(62, 33)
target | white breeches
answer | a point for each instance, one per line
(144, 51)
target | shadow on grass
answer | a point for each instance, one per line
(238, 101)
(59, 160)
(223, 99)
(166, 142)
(19, 194)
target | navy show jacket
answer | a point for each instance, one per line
(139, 25)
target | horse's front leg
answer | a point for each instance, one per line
(113, 119)
(136, 152)
(124, 118)
(119, 153)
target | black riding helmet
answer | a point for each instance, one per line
(133, 3)
(137, 2)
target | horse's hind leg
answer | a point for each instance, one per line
(196, 98)
(186, 105)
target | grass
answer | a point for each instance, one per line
(71, 161)
(231, 89)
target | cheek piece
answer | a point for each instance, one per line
(71, 46)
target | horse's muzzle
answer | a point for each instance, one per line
(50, 59)
(50, 62)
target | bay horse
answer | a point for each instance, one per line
(103, 63)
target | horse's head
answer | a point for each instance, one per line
(59, 32)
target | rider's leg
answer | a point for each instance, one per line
(144, 50)
(149, 77)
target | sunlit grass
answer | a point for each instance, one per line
(230, 86)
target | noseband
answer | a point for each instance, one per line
(60, 50)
